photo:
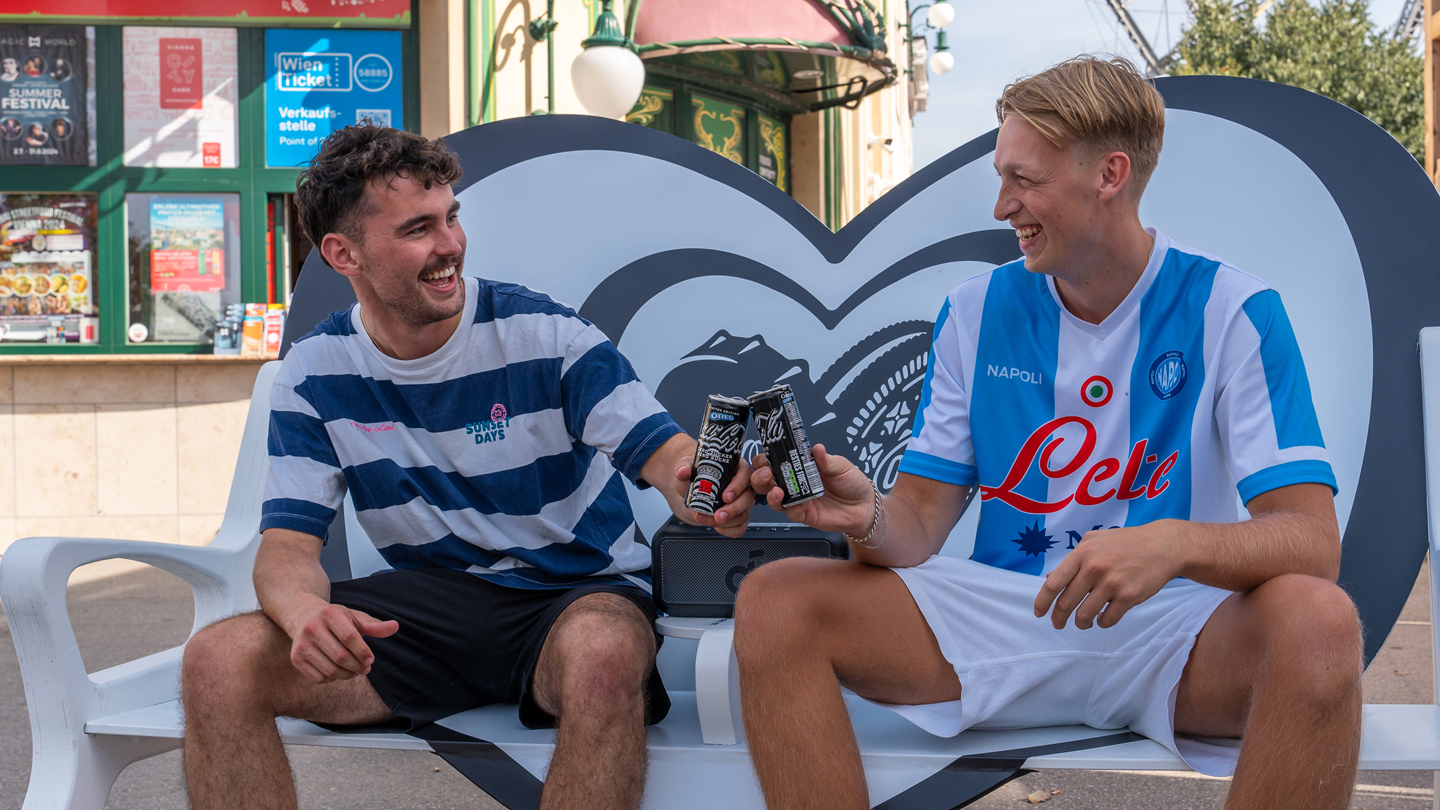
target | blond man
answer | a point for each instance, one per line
(1109, 394)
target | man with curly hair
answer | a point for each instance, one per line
(482, 431)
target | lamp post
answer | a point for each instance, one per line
(540, 30)
(608, 74)
(942, 60)
(938, 16)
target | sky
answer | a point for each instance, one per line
(998, 41)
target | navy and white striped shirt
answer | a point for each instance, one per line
(500, 453)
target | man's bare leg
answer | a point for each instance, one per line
(591, 676)
(804, 627)
(236, 679)
(1281, 666)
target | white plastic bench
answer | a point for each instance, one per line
(86, 728)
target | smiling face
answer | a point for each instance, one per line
(409, 252)
(1052, 196)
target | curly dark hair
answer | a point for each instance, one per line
(330, 192)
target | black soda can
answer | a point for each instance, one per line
(782, 433)
(717, 453)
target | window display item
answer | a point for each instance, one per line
(252, 336)
(184, 267)
(228, 328)
(44, 116)
(181, 97)
(47, 244)
(274, 330)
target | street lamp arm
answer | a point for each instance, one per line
(540, 30)
(632, 13)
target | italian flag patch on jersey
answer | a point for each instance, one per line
(1096, 391)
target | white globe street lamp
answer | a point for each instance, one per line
(608, 75)
(941, 14)
(942, 60)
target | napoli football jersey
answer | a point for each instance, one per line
(1192, 388)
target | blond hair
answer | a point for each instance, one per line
(1106, 106)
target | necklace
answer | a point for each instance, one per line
(375, 339)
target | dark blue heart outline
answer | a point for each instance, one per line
(1377, 185)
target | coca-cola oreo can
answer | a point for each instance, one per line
(782, 433)
(717, 453)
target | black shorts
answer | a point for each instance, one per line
(465, 642)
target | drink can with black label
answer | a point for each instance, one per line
(717, 453)
(782, 433)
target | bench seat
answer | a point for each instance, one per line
(686, 772)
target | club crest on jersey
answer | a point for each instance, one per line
(1168, 374)
(1096, 391)
(1090, 491)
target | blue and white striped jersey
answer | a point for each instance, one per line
(500, 453)
(1193, 384)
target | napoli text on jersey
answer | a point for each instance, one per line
(1193, 387)
(501, 453)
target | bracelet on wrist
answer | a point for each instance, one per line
(876, 527)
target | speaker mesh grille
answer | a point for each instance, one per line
(709, 571)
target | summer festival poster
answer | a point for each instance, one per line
(187, 245)
(43, 116)
(47, 244)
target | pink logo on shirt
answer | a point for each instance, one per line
(497, 413)
(380, 428)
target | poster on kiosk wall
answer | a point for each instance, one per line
(180, 97)
(43, 76)
(318, 81)
(187, 245)
(47, 271)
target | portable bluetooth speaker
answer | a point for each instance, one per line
(698, 571)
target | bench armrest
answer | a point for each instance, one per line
(33, 576)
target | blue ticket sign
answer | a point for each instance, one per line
(319, 81)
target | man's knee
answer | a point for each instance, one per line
(783, 603)
(1312, 634)
(603, 650)
(228, 659)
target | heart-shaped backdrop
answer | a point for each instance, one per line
(711, 280)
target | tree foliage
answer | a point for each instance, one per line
(1331, 49)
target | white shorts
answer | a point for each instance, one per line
(1017, 671)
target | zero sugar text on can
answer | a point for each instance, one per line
(782, 434)
(717, 453)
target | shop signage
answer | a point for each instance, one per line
(43, 116)
(182, 73)
(47, 276)
(187, 245)
(319, 81)
(389, 13)
(180, 97)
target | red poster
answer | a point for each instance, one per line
(210, 155)
(187, 270)
(182, 74)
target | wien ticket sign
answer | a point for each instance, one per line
(319, 81)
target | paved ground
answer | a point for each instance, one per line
(121, 617)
